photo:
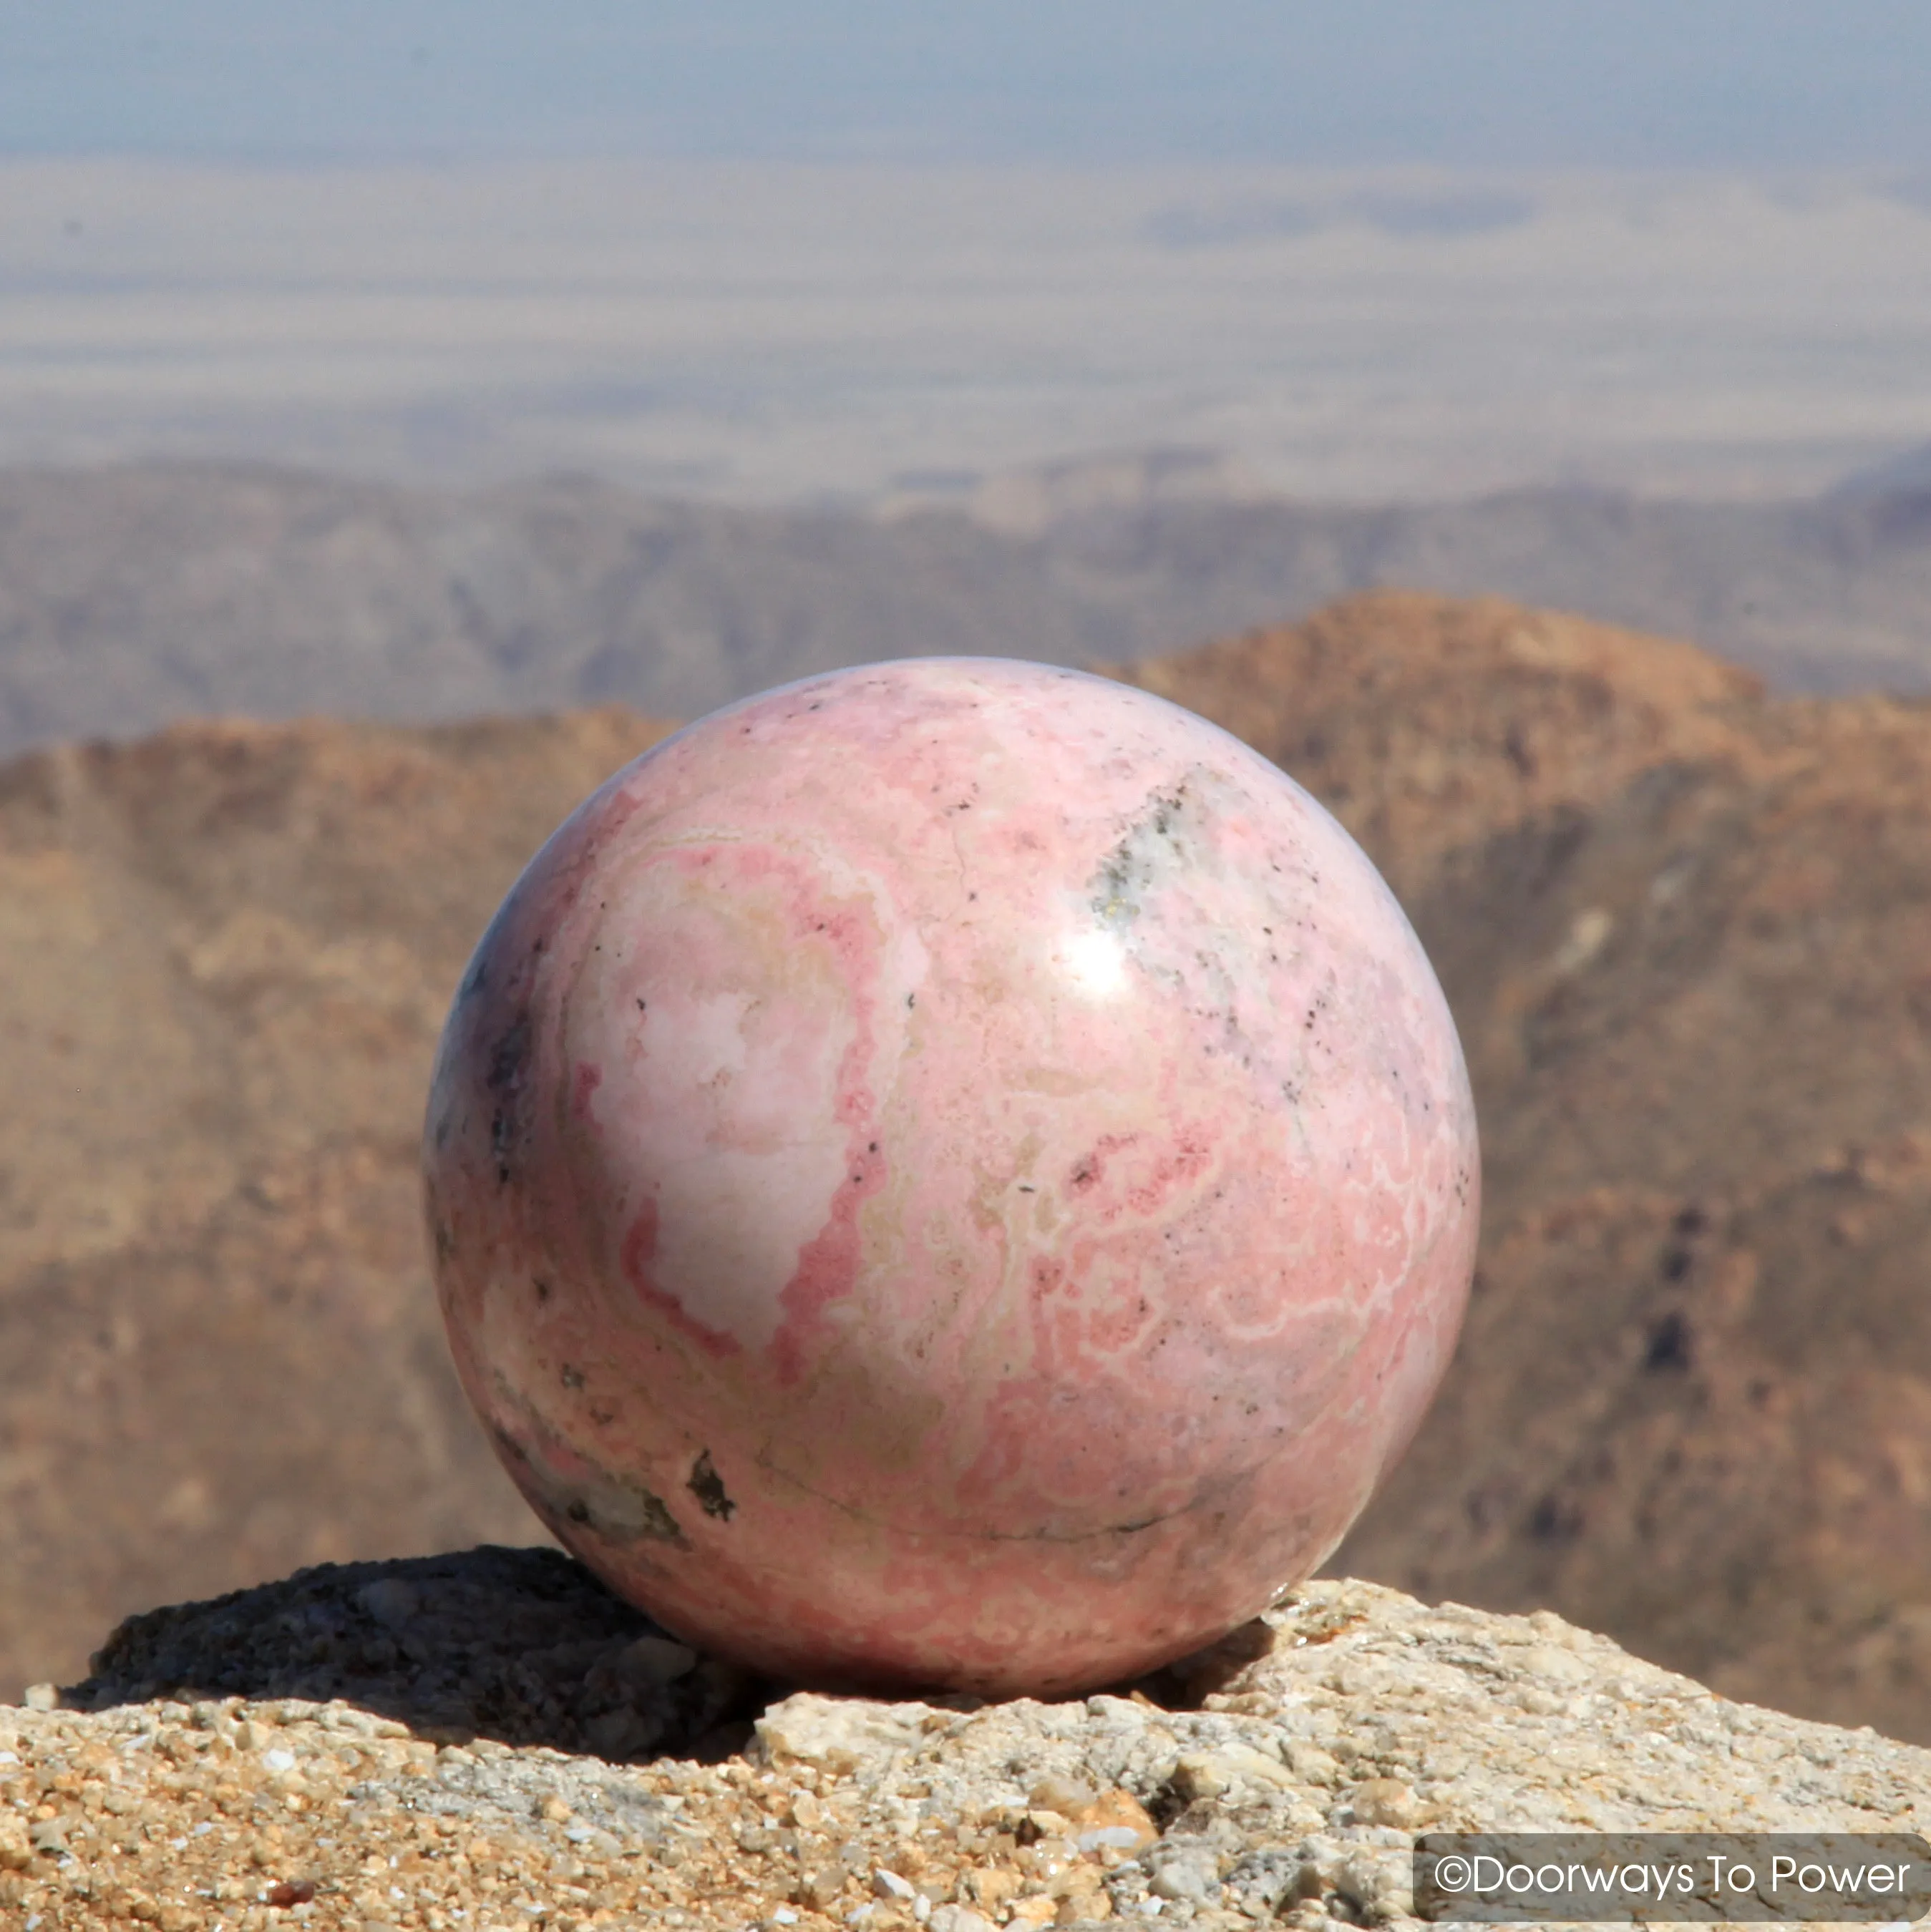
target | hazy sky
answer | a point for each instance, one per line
(1758, 84)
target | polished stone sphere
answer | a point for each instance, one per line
(956, 1172)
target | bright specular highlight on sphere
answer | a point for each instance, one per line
(954, 1172)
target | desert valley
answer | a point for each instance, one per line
(1510, 419)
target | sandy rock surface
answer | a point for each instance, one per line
(459, 1760)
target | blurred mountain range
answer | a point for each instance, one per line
(130, 597)
(1685, 929)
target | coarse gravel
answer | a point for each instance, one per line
(488, 1741)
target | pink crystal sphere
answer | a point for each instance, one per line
(953, 1172)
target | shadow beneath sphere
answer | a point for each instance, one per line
(523, 1646)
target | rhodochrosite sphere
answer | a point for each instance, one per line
(954, 1172)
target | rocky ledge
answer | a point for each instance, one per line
(490, 1740)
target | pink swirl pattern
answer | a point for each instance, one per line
(954, 1172)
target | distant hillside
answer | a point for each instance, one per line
(225, 954)
(132, 597)
(1686, 934)
(1685, 929)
